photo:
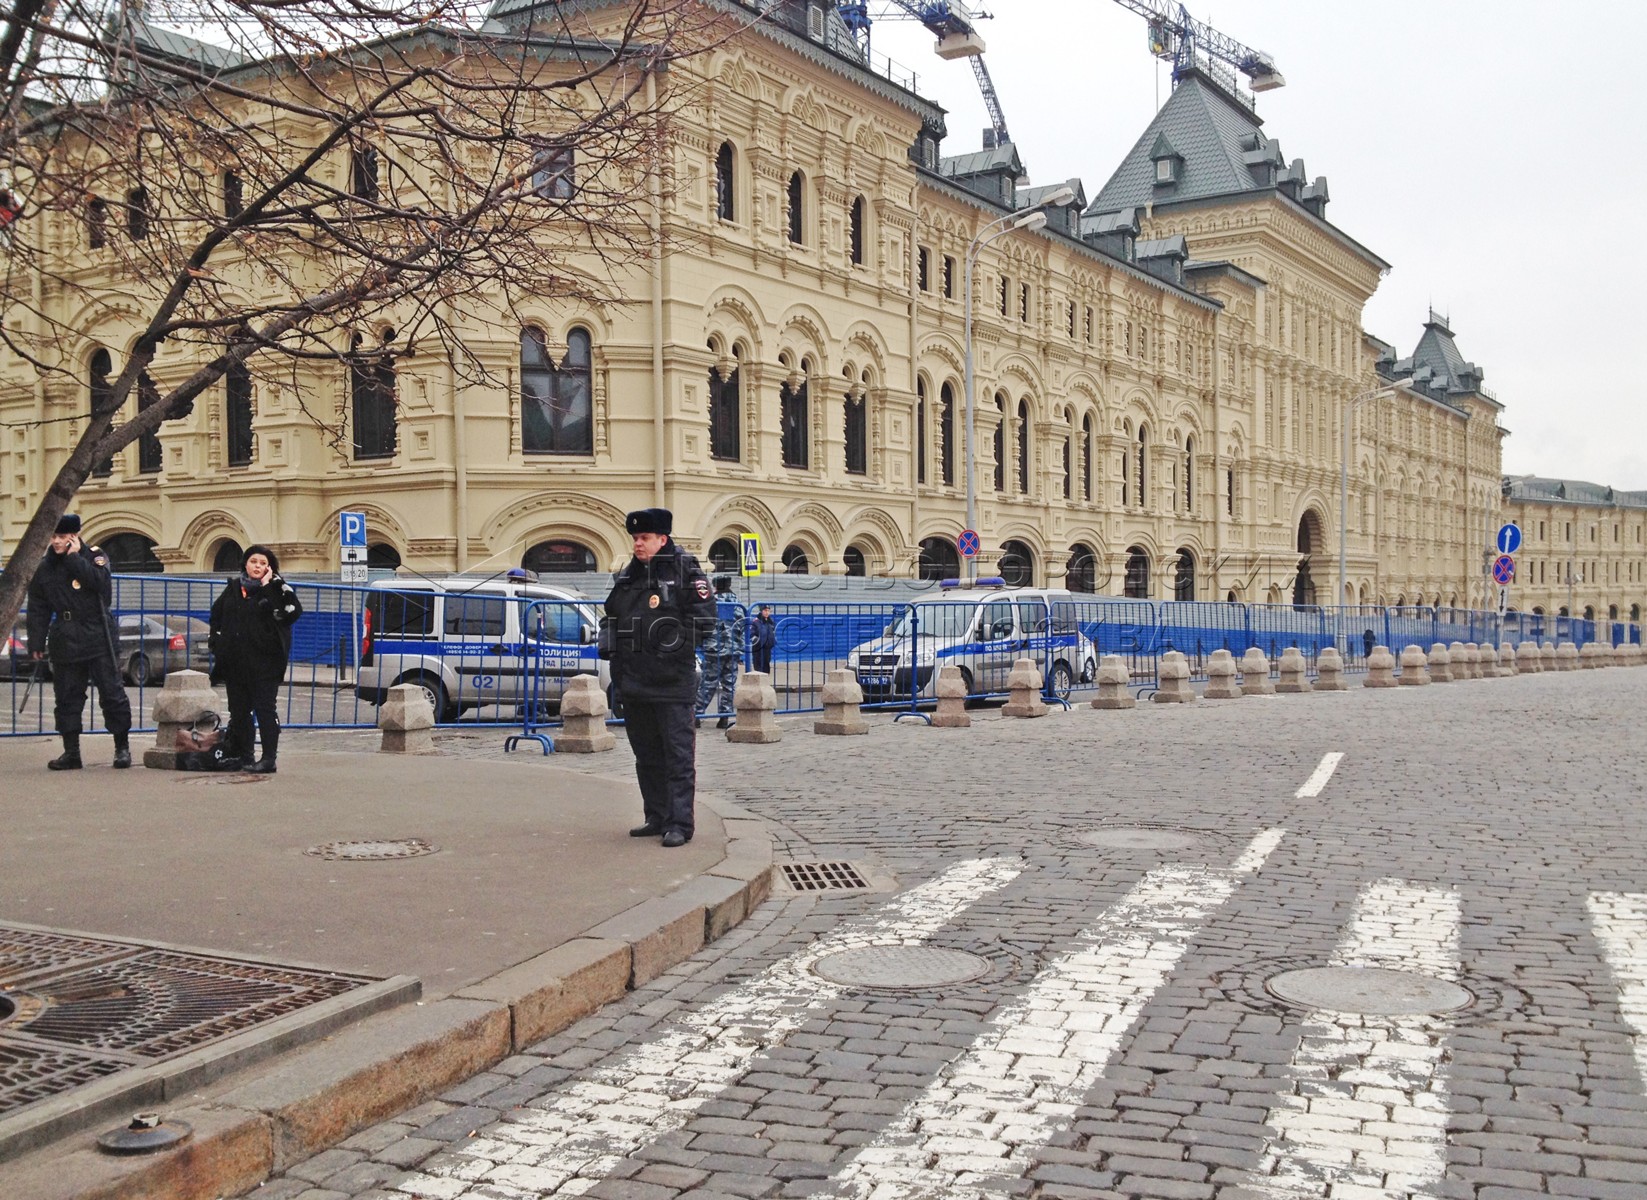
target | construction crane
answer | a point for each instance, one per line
(1177, 37)
(955, 27)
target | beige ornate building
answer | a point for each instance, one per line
(1584, 551)
(1161, 376)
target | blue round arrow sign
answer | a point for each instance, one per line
(1509, 539)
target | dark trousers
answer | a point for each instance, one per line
(250, 698)
(69, 681)
(666, 749)
(763, 659)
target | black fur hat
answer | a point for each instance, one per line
(68, 523)
(274, 563)
(650, 520)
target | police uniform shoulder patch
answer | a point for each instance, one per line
(700, 586)
(100, 559)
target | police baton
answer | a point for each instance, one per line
(28, 687)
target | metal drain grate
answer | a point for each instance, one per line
(26, 952)
(823, 876)
(30, 1073)
(371, 851)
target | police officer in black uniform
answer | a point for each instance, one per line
(659, 610)
(70, 595)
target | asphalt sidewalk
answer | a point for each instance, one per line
(530, 907)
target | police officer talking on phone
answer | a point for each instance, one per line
(70, 597)
(660, 608)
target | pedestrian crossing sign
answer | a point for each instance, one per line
(749, 547)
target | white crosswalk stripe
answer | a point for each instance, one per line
(1368, 1114)
(1045, 1050)
(577, 1136)
(1619, 920)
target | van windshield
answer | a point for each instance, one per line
(951, 620)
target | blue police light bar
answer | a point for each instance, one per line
(984, 581)
(521, 575)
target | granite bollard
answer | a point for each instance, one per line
(841, 698)
(1415, 668)
(1255, 673)
(1172, 680)
(1024, 685)
(1380, 668)
(1295, 673)
(1222, 677)
(1329, 671)
(185, 695)
(951, 693)
(1113, 678)
(756, 702)
(583, 713)
(1439, 662)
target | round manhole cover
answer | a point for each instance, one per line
(1140, 837)
(371, 851)
(8, 1008)
(1371, 991)
(901, 967)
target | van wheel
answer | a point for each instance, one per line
(435, 692)
(1063, 680)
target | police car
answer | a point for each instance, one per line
(462, 640)
(980, 629)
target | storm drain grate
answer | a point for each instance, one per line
(823, 876)
(377, 850)
(26, 952)
(30, 1073)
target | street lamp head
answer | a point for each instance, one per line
(1036, 219)
(1058, 197)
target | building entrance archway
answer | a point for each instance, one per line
(1311, 542)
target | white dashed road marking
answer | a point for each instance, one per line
(1045, 1050)
(1314, 784)
(575, 1137)
(1620, 923)
(1368, 1114)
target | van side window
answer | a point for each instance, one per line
(998, 619)
(1032, 616)
(401, 613)
(474, 616)
(1066, 618)
(553, 622)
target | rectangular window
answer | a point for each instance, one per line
(1069, 320)
(1089, 325)
(949, 277)
(923, 264)
(1023, 303)
(372, 388)
(237, 423)
(234, 202)
(401, 614)
(148, 444)
(553, 173)
(1006, 285)
(475, 616)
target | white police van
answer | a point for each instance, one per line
(980, 629)
(461, 640)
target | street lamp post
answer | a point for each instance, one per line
(1344, 486)
(1031, 219)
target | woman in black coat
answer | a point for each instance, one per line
(251, 640)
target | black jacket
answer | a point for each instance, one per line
(70, 596)
(251, 636)
(656, 616)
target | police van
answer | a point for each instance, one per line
(461, 640)
(981, 629)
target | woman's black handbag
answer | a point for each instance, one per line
(201, 748)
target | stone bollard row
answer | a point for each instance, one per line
(755, 701)
(407, 719)
(1439, 662)
(1329, 670)
(951, 693)
(1024, 684)
(1380, 668)
(1113, 678)
(583, 713)
(1222, 674)
(1415, 668)
(1295, 673)
(842, 700)
(1255, 673)
(1172, 680)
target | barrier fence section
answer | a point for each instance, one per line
(490, 659)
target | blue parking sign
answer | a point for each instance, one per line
(351, 529)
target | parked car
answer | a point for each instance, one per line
(152, 647)
(15, 664)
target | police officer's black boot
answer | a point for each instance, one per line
(69, 760)
(122, 752)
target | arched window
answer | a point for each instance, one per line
(1023, 447)
(372, 397)
(946, 434)
(853, 556)
(237, 415)
(381, 556)
(1183, 586)
(133, 554)
(234, 194)
(1086, 458)
(723, 556)
(724, 207)
(1229, 491)
(939, 559)
(1589, 612)
(1137, 578)
(1081, 571)
(855, 232)
(797, 193)
(555, 411)
(725, 414)
(148, 444)
(1612, 612)
(98, 372)
(920, 431)
(1069, 466)
(856, 431)
(1635, 614)
(137, 213)
(97, 223)
(794, 424)
(363, 173)
(1000, 443)
(1189, 475)
(559, 556)
(227, 556)
(1141, 480)
(1017, 564)
(794, 560)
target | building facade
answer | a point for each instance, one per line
(1161, 376)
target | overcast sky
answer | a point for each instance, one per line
(1489, 151)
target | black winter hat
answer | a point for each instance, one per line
(650, 520)
(723, 584)
(68, 523)
(274, 562)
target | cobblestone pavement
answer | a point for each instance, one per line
(1130, 885)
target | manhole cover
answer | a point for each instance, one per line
(1140, 837)
(7, 1008)
(901, 967)
(823, 876)
(371, 851)
(226, 777)
(1371, 991)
